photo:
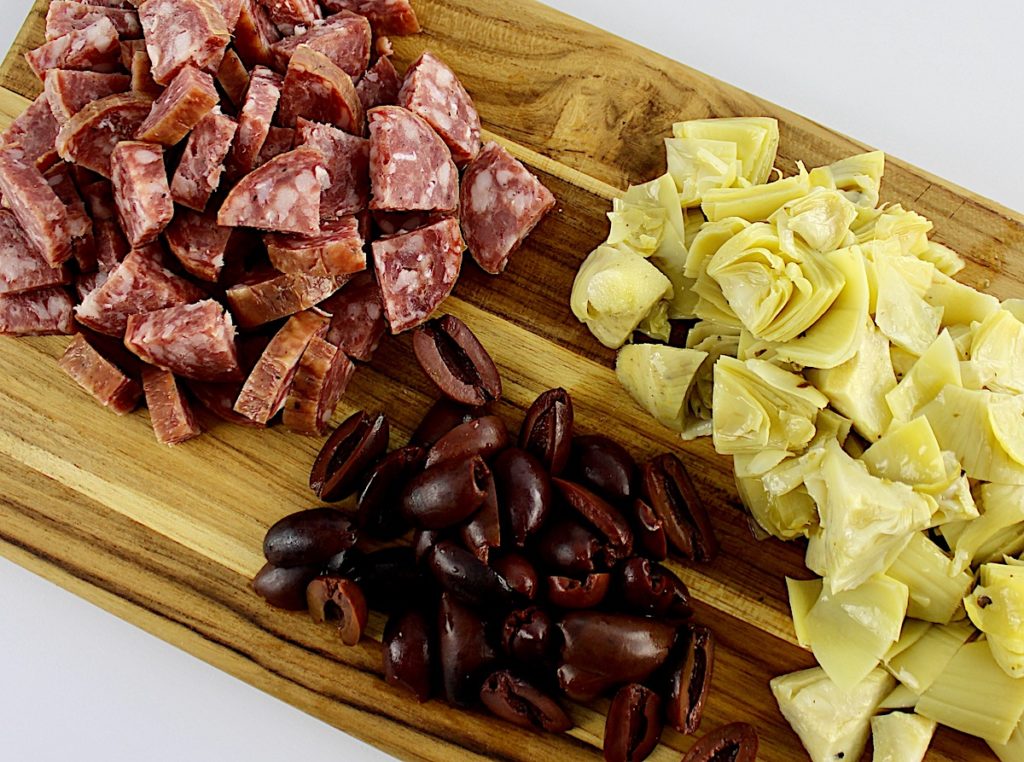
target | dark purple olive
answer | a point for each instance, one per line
(409, 652)
(342, 463)
(379, 507)
(633, 726)
(547, 429)
(482, 531)
(670, 492)
(528, 637)
(649, 532)
(485, 437)
(442, 417)
(425, 539)
(735, 742)
(390, 579)
(340, 599)
(466, 578)
(513, 699)
(466, 654)
(446, 494)
(604, 466)
(455, 360)
(690, 682)
(602, 515)
(569, 547)
(524, 493)
(652, 590)
(569, 593)
(284, 588)
(519, 573)
(308, 538)
(343, 563)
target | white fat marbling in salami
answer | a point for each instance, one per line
(89, 137)
(315, 88)
(96, 47)
(68, 91)
(36, 313)
(141, 192)
(202, 162)
(432, 91)
(380, 85)
(347, 160)
(40, 212)
(191, 340)
(357, 317)
(22, 268)
(64, 16)
(169, 410)
(283, 195)
(254, 121)
(34, 133)
(345, 38)
(183, 32)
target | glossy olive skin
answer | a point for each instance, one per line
(547, 429)
(349, 452)
(604, 466)
(633, 725)
(389, 578)
(342, 599)
(570, 593)
(466, 654)
(651, 589)
(425, 539)
(515, 700)
(670, 492)
(481, 533)
(690, 681)
(455, 360)
(528, 636)
(410, 659)
(443, 416)
(486, 437)
(649, 532)
(524, 493)
(519, 573)
(308, 538)
(378, 507)
(569, 547)
(600, 514)
(446, 494)
(284, 588)
(735, 742)
(466, 578)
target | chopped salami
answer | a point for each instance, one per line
(34, 133)
(125, 4)
(315, 88)
(142, 75)
(36, 313)
(390, 224)
(501, 203)
(199, 243)
(255, 34)
(411, 169)
(22, 268)
(417, 271)
(347, 160)
(336, 250)
(432, 91)
(188, 98)
(233, 78)
(40, 212)
(357, 317)
(141, 192)
(169, 410)
(320, 381)
(290, 13)
(219, 399)
(69, 91)
(79, 224)
(380, 85)
(202, 162)
(99, 377)
(128, 48)
(111, 245)
(280, 296)
(283, 195)
(63, 17)
(264, 392)
(190, 340)
(85, 283)
(94, 48)
(387, 16)
(89, 137)
(230, 10)
(183, 32)
(279, 140)
(255, 119)
(99, 199)
(344, 38)
(138, 284)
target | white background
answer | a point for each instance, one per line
(937, 83)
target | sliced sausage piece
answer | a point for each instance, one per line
(141, 192)
(190, 340)
(280, 296)
(22, 268)
(79, 224)
(279, 140)
(233, 78)
(336, 250)
(142, 75)
(188, 98)
(357, 317)
(94, 48)
(36, 313)
(40, 212)
(387, 16)
(111, 245)
(380, 85)
(99, 377)
(417, 271)
(344, 38)
(63, 17)
(85, 283)
(230, 10)
(169, 410)
(198, 242)
(320, 381)
(255, 34)
(285, 13)
(432, 90)
(317, 89)
(68, 91)
(255, 119)
(411, 169)
(183, 32)
(283, 195)
(347, 160)
(99, 199)
(202, 162)
(34, 133)
(501, 203)
(89, 137)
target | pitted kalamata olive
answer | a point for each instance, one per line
(409, 658)
(442, 417)
(485, 437)
(652, 590)
(690, 682)
(308, 538)
(341, 599)
(380, 501)
(466, 578)
(670, 492)
(390, 579)
(602, 515)
(284, 588)
(649, 532)
(633, 726)
(569, 593)
(482, 531)
(604, 466)
(547, 429)
(568, 546)
(735, 742)
(519, 573)
(513, 699)
(446, 494)
(528, 637)
(425, 539)
(466, 654)
(348, 453)
(343, 563)
(455, 360)
(524, 493)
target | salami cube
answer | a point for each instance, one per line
(336, 250)
(357, 317)
(417, 271)
(99, 377)
(34, 133)
(40, 212)
(317, 89)
(88, 138)
(188, 98)
(190, 340)
(199, 243)
(233, 78)
(63, 17)
(169, 410)
(111, 245)
(36, 313)
(432, 90)
(501, 203)
(380, 85)
(94, 48)
(142, 75)
(68, 91)
(138, 284)
(79, 225)
(257, 115)
(183, 32)
(387, 16)
(266, 389)
(22, 268)
(320, 381)
(255, 35)
(99, 199)
(344, 38)
(85, 283)
(347, 160)
(290, 13)
(202, 162)
(411, 169)
(279, 140)
(280, 296)
(283, 195)
(230, 10)
(141, 192)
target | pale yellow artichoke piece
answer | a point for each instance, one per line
(937, 367)
(756, 140)
(908, 453)
(792, 472)
(901, 313)
(961, 305)
(953, 499)
(976, 376)
(814, 558)
(830, 425)
(946, 261)
(996, 607)
(756, 203)
(998, 347)
(998, 531)
(639, 228)
(935, 591)
(912, 631)
(902, 361)
(873, 251)
(820, 219)
(918, 665)
(1012, 750)
(901, 697)
(900, 737)
(697, 165)
(803, 594)
(832, 723)
(907, 228)
(655, 324)
(962, 335)
(1015, 307)
(786, 516)
(859, 177)
(716, 339)
(708, 241)
(1006, 417)
(659, 378)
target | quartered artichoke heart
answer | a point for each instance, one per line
(907, 228)
(858, 178)
(697, 165)
(901, 311)
(716, 339)
(998, 347)
(997, 609)
(777, 499)
(936, 368)
(756, 140)
(711, 302)
(821, 220)
(997, 532)
(755, 203)
(660, 379)
(961, 305)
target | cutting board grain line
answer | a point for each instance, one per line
(168, 539)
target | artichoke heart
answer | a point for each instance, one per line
(901, 312)
(756, 140)
(785, 516)
(756, 203)
(936, 368)
(935, 591)
(1015, 307)
(858, 177)
(708, 241)
(660, 378)
(908, 453)
(961, 305)
(922, 661)
(803, 594)
(996, 607)
(1012, 750)
(953, 499)
(697, 165)
(900, 737)
(639, 228)
(946, 261)
(998, 347)
(821, 219)
(716, 339)
(909, 229)
(998, 531)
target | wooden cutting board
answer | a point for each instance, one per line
(169, 538)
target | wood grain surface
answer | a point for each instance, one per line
(169, 538)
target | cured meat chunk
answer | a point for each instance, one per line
(255, 34)
(36, 313)
(99, 377)
(219, 397)
(87, 282)
(22, 268)
(199, 243)
(188, 98)
(190, 340)
(183, 32)
(344, 38)
(336, 250)
(411, 169)
(128, 48)
(138, 284)
(111, 245)
(99, 199)
(283, 195)
(417, 271)
(291, 12)
(230, 10)
(380, 85)
(79, 224)
(41, 213)
(69, 91)
(202, 162)
(279, 140)
(89, 137)
(34, 133)
(63, 17)
(169, 410)
(257, 303)
(387, 16)
(141, 193)
(432, 90)
(347, 160)
(357, 317)
(390, 224)
(501, 203)
(265, 390)
(94, 48)
(142, 75)
(320, 380)
(315, 88)
(233, 78)
(254, 121)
